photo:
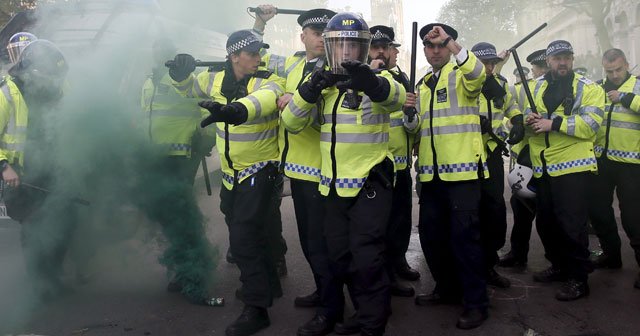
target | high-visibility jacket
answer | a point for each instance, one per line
(173, 119)
(496, 114)
(450, 136)
(569, 150)
(520, 98)
(243, 149)
(400, 141)
(619, 136)
(352, 140)
(300, 152)
(14, 116)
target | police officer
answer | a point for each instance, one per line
(399, 230)
(17, 43)
(451, 160)
(301, 162)
(28, 100)
(357, 170)
(518, 81)
(570, 113)
(496, 103)
(524, 208)
(618, 155)
(242, 105)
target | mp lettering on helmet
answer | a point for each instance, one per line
(348, 22)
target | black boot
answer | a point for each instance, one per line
(605, 260)
(308, 301)
(398, 289)
(497, 280)
(405, 271)
(572, 290)
(549, 275)
(319, 325)
(472, 318)
(348, 327)
(510, 260)
(252, 320)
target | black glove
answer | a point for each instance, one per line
(183, 65)
(517, 130)
(362, 78)
(319, 80)
(485, 125)
(234, 113)
(492, 90)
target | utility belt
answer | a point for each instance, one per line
(382, 173)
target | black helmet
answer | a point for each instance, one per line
(41, 59)
(346, 37)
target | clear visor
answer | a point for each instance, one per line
(15, 49)
(342, 46)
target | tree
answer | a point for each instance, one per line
(482, 21)
(9, 7)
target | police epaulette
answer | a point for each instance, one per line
(263, 74)
(585, 80)
(300, 53)
(422, 79)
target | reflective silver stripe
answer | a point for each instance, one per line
(396, 122)
(592, 109)
(198, 90)
(396, 95)
(273, 86)
(367, 119)
(276, 64)
(579, 93)
(370, 138)
(625, 124)
(212, 79)
(16, 147)
(537, 89)
(297, 111)
(348, 119)
(453, 96)
(183, 87)
(571, 125)
(174, 113)
(293, 66)
(417, 94)
(248, 137)
(477, 70)
(257, 84)
(7, 93)
(458, 111)
(591, 122)
(256, 105)
(451, 129)
(263, 120)
(370, 118)
(636, 88)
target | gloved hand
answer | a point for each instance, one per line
(234, 113)
(517, 130)
(362, 78)
(485, 125)
(319, 80)
(491, 89)
(183, 65)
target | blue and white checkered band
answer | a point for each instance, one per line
(559, 47)
(380, 36)
(323, 20)
(540, 58)
(242, 43)
(485, 52)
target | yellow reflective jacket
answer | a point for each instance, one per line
(496, 113)
(619, 137)
(570, 149)
(172, 118)
(300, 152)
(243, 149)
(352, 140)
(400, 141)
(14, 116)
(520, 98)
(450, 136)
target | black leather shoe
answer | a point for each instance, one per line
(472, 318)
(398, 289)
(281, 266)
(636, 284)
(348, 327)
(551, 274)
(404, 271)
(174, 287)
(510, 260)
(308, 301)
(252, 320)
(607, 261)
(572, 290)
(435, 299)
(319, 325)
(230, 258)
(497, 280)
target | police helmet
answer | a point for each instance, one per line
(519, 179)
(346, 38)
(17, 43)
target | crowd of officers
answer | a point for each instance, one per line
(341, 122)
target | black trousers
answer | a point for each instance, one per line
(562, 222)
(399, 229)
(248, 210)
(493, 211)
(310, 212)
(279, 244)
(355, 229)
(524, 212)
(449, 229)
(624, 178)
